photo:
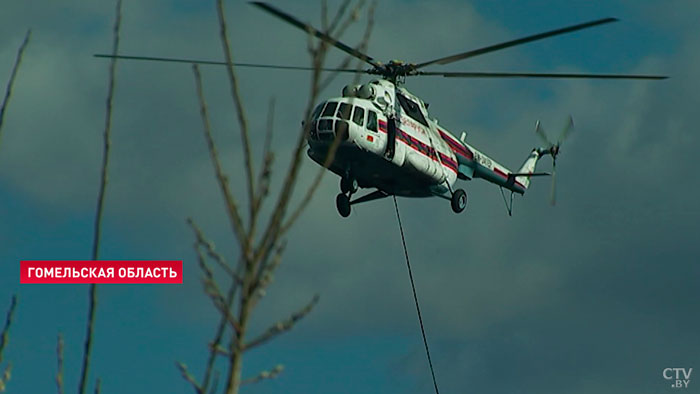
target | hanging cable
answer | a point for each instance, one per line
(415, 297)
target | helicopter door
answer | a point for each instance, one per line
(390, 138)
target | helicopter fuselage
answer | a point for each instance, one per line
(389, 142)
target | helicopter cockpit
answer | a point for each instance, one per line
(341, 116)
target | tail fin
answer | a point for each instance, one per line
(528, 167)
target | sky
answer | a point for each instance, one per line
(598, 294)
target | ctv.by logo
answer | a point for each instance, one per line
(679, 376)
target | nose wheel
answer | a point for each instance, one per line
(342, 202)
(458, 200)
(348, 186)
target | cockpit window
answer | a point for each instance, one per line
(412, 110)
(317, 111)
(372, 121)
(358, 116)
(344, 111)
(330, 108)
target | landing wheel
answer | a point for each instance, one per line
(348, 185)
(459, 200)
(342, 202)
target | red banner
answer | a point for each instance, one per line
(101, 271)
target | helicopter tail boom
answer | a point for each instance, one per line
(522, 176)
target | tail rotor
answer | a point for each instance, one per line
(552, 149)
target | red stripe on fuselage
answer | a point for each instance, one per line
(421, 147)
(456, 146)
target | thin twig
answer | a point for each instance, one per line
(6, 375)
(235, 95)
(59, 356)
(98, 386)
(314, 185)
(362, 46)
(264, 375)
(4, 339)
(282, 326)
(182, 367)
(13, 75)
(231, 204)
(92, 308)
(338, 16)
(212, 290)
(273, 231)
(266, 168)
(226, 317)
(211, 251)
(215, 383)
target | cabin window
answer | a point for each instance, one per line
(372, 121)
(344, 111)
(412, 110)
(317, 111)
(358, 116)
(330, 108)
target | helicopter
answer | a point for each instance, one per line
(389, 142)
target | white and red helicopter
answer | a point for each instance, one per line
(389, 141)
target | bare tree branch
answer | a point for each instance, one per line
(98, 386)
(254, 271)
(282, 326)
(6, 375)
(231, 204)
(13, 75)
(92, 308)
(215, 383)
(182, 367)
(336, 142)
(266, 168)
(266, 272)
(212, 290)
(362, 46)
(5, 336)
(224, 309)
(4, 339)
(273, 229)
(211, 251)
(338, 17)
(235, 95)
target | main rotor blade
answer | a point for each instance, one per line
(540, 132)
(218, 63)
(311, 30)
(470, 74)
(567, 130)
(508, 44)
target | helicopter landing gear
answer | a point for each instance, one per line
(342, 202)
(348, 185)
(458, 200)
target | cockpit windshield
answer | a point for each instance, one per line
(344, 111)
(330, 109)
